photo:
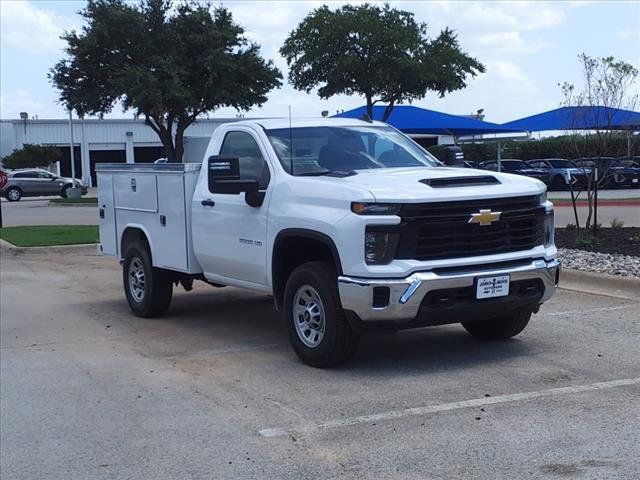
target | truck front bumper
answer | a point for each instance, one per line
(448, 295)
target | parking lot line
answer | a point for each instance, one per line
(445, 407)
(591, 310)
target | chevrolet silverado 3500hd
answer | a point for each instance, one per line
(348, 224)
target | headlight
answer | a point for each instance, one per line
(543, 197)
(379, 246)
(375, 208)
(548, 229)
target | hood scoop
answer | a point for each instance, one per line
(460, 181)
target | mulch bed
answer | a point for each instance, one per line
(624, 240)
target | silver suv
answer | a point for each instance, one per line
(36, 182)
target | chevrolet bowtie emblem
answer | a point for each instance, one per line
(485, 217)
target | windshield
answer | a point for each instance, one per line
(322, 150)
(514, 164)
(562, 164)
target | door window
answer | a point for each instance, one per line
(252, 163)
(26, 175)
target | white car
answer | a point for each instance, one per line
(349, 225)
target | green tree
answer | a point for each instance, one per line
(32, 156)
(379, 52)
(169, 63)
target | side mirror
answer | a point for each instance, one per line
(224, 178)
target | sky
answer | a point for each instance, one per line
(528, 48)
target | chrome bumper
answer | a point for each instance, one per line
(406, 294)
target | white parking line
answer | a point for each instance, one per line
(445, 407)
(591, 310)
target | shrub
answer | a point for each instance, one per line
(32, 156)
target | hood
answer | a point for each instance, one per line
(404, 184)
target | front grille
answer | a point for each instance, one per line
(435, 231)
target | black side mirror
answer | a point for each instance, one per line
(224, 178)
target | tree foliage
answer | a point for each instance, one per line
(563, 146)
(379, 52)
(169, 63)
(32, 156)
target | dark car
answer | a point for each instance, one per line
(562, 173)
(613, 172)
(517, 167)
(624, 173)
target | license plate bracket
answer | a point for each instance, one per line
(493, 286)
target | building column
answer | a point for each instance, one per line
(129, 154)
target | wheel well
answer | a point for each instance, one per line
(130, 235)
(292, 250)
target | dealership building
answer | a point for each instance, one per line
(95, 141)
(133, 141)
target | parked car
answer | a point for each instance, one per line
(562, 172)
(623, 173)
(355, 229)
(37, 182)
(611, 174)
(518, 167)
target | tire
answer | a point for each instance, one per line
(500, 328)
(13, 194)
(63, 192)
(149, 293)
(329, 340)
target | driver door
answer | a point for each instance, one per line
(229, 236)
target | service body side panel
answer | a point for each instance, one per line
(107, 217)
(154, 199)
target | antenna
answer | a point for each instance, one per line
(290, 144)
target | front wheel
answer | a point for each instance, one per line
(500, 328)
(13, 194)
(318, 330)
(148, 289)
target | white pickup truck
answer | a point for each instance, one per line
(350, 226)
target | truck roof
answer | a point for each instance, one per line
(275, 123)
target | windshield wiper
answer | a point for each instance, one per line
(317, 173)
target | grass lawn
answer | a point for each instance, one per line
(87, 200)
(45, 235)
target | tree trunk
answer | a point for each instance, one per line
(370, 107)
(387, 111)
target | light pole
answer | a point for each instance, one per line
(74, 191)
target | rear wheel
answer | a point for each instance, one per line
(148, 289)
(498, 328)
(13, 194)
(318, 329)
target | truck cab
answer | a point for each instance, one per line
(350, 225)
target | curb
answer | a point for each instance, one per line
(627, 288)
(81, 249)
(57, 204)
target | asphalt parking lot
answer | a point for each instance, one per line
(212, 391)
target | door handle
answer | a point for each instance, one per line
(208, 202)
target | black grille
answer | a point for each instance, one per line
(434, 231)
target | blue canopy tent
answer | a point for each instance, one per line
(579, 118)
(415, 120)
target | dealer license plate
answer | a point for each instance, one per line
(491, 287)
